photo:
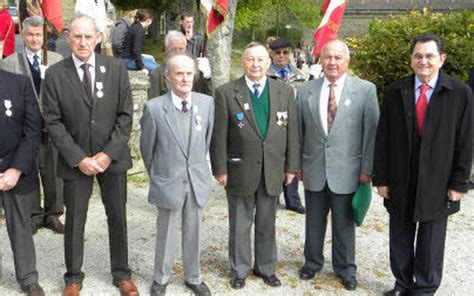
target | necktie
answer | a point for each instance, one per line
(332, 105)
(184, 106)
(283, 74)
(36, 63)
(86, 80)
(421, 105)
(255, 87)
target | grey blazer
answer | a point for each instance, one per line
(340, 157)
(166, 160)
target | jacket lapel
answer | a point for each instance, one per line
(313, 104)
(172, 122)
(274, 105)
(76, 82)
(25, 68)
(344, 105)
(243, 98)
(408, 98)
(195, 118)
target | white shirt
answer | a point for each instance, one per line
(94, 10)
(250, 84)
(30, 55)
(324, 99)
(177, 101)
(78, 63)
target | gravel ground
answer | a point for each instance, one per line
(373, 274)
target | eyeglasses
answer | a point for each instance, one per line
(428, 56)
(285, 52)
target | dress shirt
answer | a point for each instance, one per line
(78, 63)
(250, 84)
(177, 101)
(30, 55)
(324, 99)
(429, 91)
(278, 71)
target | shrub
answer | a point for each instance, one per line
(383, 54)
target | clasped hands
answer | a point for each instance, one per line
(91, 166)
(9, 178)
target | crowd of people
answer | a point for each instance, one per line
(69, 122)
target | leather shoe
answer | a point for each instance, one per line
(270, 280)
(158, 289)
(306, 273)
(72, 289)
(394, 292)
(298, 209)
(350, 283)
(55, 225)
(237, 283)
(200, 290)
(33, 290)
(127, 288)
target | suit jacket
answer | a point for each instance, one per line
(237, 147)
(80, 126)
(339, 157)
(163, 151)
(20, 133)
(445, 147)
(18, 63)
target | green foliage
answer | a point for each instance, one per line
(383, 54)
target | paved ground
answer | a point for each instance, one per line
(372, 254)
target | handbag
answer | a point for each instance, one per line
(361, 202)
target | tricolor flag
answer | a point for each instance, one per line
(327, 30)
(53, 12)
(216, 13)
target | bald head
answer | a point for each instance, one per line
(335, 59)
(179, 71)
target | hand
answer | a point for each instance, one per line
(9, 179)
(364, 178)
(455, 195)
(289, 178)
(300, 175)
(103, 160)
(384, 191)
(204, 67)
(188, 34)
(90, 167)
(221, 179)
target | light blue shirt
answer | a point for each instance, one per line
(429, 92)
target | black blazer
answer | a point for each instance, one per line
(133, 44)
(20, 133)
(81, 127)
(445, 150)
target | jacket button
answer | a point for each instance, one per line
(185, 182)
(259, 161)
(92, 121)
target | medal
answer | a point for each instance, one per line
(102, 69)
(246, 106)
(240, 117)
(8, 106)
(9, 113)
(198, 119)
(99, 85)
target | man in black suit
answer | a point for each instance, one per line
(87, 105)
(20, 135)
(422, 165)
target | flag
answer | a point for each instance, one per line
(216, 13)
(327, 30)
(53, 12)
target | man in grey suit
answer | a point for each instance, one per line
(337, 119)
(30, 62)
(87, 104)
(176, 131)
(254, 148)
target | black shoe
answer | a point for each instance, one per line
(158, 289)
(200, 290)
(55, 225)
(298, 209)
(270, 280)
(394, 292)
(350, 283)
(33, 290)
(237, 283)
(306, 273)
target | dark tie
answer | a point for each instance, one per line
(421, 105)
(332, 105)
(36, 65)
(184, 106)
(255, 89)
(86, 80)
(283, 74)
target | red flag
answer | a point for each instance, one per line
(53, 11)
(327, 30)
(216, 12)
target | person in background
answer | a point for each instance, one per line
(7, 30)
(195, 41)
(133, 44)
(120, 31)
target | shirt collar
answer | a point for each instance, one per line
(78, 63)
(339, 82)
(30, 55)
(177, 101)
(250, 83)
(431, 83)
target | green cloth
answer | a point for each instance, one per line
(261, 109)
(361, 202)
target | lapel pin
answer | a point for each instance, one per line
(99, 85)
(8, 106)
(102, 69)
(246, 106)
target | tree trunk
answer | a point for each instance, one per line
(219, 48)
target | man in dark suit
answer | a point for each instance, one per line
(422, 164)
(254, 148)
(20, 135)
(30, 62)
(87, 105)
